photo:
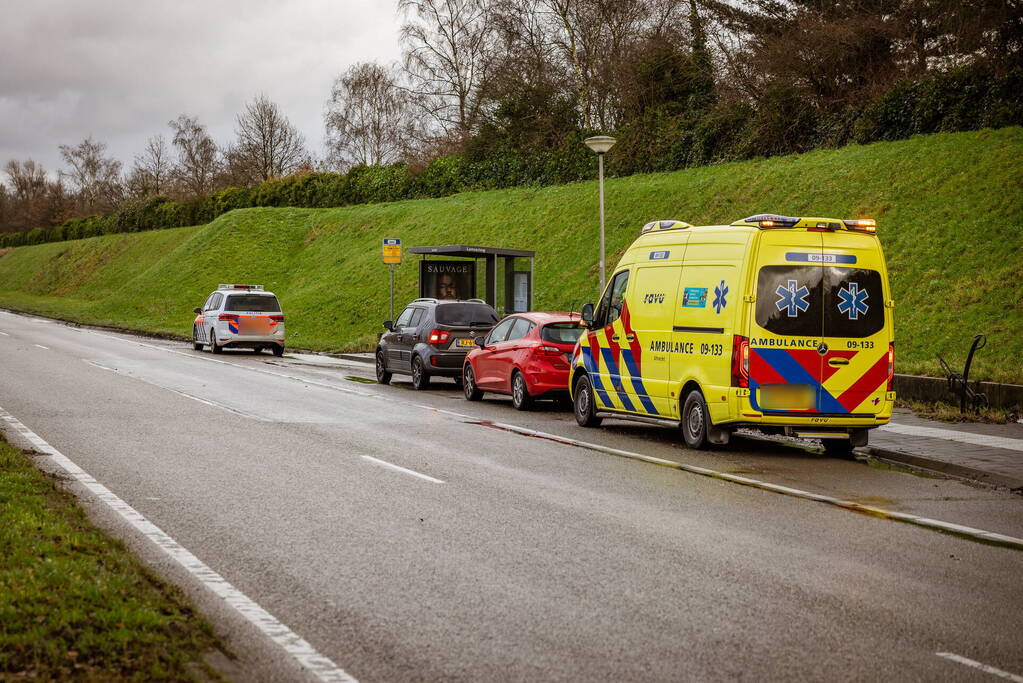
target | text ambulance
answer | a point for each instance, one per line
(773, 322)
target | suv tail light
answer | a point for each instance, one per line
(439, 336)
(891, 365)
(228, 316)
(740, 361)
(545, 350)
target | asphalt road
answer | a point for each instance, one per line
(497, 556)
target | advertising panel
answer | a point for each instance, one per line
(447, 279)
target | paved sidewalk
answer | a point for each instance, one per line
(988, 453)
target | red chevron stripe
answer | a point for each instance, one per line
(866, 384)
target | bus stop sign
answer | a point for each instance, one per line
(392, 250)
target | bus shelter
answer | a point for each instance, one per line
(450, 272)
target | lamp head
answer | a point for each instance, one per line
(600, 143)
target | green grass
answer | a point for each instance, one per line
(76, 604)
(949, 207)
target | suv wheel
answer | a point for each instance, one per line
(213, 343)
(520, 392)
(695, 420)
(472, 392)
(196, 344)
(420, 379)
(383, 376)
(585, 406)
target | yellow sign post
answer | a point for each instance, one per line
(392, 258)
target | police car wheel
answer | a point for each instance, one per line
(472, 392)
(695, 420)
(383, 376)
(213, 343)
(196, 344)
(420, 380)
(277, 350)
(520, 392)
(585, 408)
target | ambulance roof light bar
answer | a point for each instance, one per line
(771, 220)
(861, 225)
(255, 288)
(665, 225)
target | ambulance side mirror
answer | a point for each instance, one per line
(587, 315)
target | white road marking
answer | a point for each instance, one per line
(42, 347)
(384, 463)
(948, 527)
(954, 435)
(981, 666)
(312, 661)
(5, 334)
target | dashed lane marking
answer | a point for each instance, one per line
(405, 470)
(47, 348)
(986, 668)
(312, 661)
(4, 334)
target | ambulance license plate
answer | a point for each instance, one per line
(787, 397)
(462, 343)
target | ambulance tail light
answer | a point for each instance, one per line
(740, 361)
(439, 336)
(891, 365)
(868, 225)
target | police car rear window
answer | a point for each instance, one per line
(252, 302)
(809, 301)
(466, 315)
(561, 333)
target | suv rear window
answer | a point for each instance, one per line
(252, 302)
(809, 301)
(561, 333)
(466, 315)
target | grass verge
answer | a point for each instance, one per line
(949, 210)
(75, 603)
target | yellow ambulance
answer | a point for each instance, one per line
(778, 323)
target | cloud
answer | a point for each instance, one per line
(119, 71)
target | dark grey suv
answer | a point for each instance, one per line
(430, 339)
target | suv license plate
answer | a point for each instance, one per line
(463, 343)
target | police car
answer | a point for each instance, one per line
(779, 323)
(239, 316)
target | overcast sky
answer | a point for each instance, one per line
(120, 70)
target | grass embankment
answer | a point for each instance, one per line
(949, 206)
(76, 604)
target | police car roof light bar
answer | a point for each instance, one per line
(257, 288)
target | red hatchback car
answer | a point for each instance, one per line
(526, 355)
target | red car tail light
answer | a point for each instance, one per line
(740, 361)
(545, 350)
(891, 365)
(439, 336)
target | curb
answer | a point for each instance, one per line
(351, 356)
(930, 465)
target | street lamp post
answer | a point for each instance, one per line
(601, 144)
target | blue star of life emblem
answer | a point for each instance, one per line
(719, 297)
(853, 301)
(793, 301)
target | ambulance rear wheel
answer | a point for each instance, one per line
(585, 406)
(838, 448)
(695, 420)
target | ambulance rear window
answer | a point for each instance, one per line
(252, 302)
(854, 302)
(789, 300)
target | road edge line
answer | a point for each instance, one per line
(294, 645)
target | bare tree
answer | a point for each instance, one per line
(268, 145)
(447, 55)
(151, 172)
(368, 117)
(198, 158)
(32, 199)
(94, 177)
